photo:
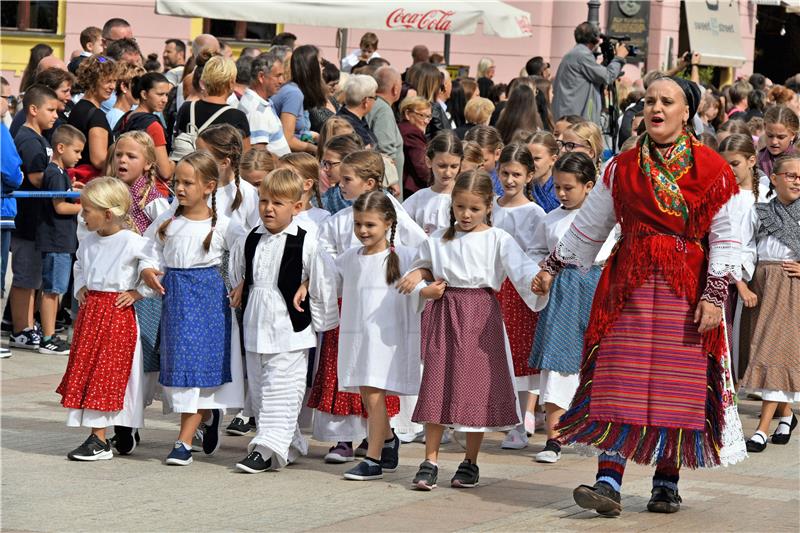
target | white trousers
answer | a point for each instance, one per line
(277, 383)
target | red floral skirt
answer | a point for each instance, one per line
(520, 324)
(325, 394)
(101, 355)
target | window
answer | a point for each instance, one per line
(36, 16)
(239, 30)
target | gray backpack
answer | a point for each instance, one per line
(184, 143)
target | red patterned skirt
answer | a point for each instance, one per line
(325, 394)
(520, 324)
(101, 356)
(466, 380)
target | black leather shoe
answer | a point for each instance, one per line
(755, 446)
(784, 438)
(601, 497)
(664, 500)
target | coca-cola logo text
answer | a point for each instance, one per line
(433, 20)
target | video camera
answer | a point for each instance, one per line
(609, 43)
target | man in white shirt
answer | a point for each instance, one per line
(266, 130)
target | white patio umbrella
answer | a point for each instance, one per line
(448, 18)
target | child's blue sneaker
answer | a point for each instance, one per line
(179, 455)
(365, 471)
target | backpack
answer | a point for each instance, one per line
(184, 142)
(131, 121)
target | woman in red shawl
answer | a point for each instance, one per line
(652, 382)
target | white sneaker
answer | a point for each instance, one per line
(550, 454)
(5, 353)
(515, 440)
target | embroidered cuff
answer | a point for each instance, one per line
(552, 265)
(716, 291)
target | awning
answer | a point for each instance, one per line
(456, 18)
(713, 28)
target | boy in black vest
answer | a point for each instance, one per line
(269, 265)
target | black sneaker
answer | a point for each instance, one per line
(211, 440)
(361, 451)
(426, 477)
(238, 426)
(124, 440)
(254, 463)
(26, 339)
(54, 346)
(466, 477)
(365, 471)
(93, 449)
(252, 423)
(390, 454)
(664, 500)
(602, 498)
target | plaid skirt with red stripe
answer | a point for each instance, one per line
(101, 355)
(325, 394)
(520, 324)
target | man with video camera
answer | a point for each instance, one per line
(579, 81)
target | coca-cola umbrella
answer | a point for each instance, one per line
(445, 17)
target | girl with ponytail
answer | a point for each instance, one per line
(379, 344)
(237, 199)
(198, 373)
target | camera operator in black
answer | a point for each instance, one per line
(579, 81)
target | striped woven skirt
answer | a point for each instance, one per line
(468, 376)
(195, 329)
(520, 324)
(101, 356)
(558, 343)
(647, 390)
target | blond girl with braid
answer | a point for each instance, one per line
(236, 198)
(198, 373)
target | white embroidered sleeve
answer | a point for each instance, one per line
(725, 245)
(587, 234)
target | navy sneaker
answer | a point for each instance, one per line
(211, 440)
(254, 463)
(238, 426)
(365, 471)
(390, 456)
(179, 455)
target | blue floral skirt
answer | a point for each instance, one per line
(195, 329)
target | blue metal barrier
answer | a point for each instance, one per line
(43, 194)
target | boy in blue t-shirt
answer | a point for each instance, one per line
(56, 233)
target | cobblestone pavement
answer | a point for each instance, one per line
(43, 491)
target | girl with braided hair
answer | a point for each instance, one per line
(339, 416)
(237, 199)
(379, 343)
(468, 379)
(198, 374)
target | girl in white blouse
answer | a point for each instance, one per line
(102, 385)
(468, 380)
(198, 373)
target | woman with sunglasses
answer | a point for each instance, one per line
(416, 115)
(654, 382)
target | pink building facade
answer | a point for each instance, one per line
(552, 26)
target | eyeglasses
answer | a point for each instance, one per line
(569, 146)
(423, 116)
(370, 98)
(327, 165)
(788, 177)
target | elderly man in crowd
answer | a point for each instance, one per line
(359, 98)
(266, 131)
(381, 118)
